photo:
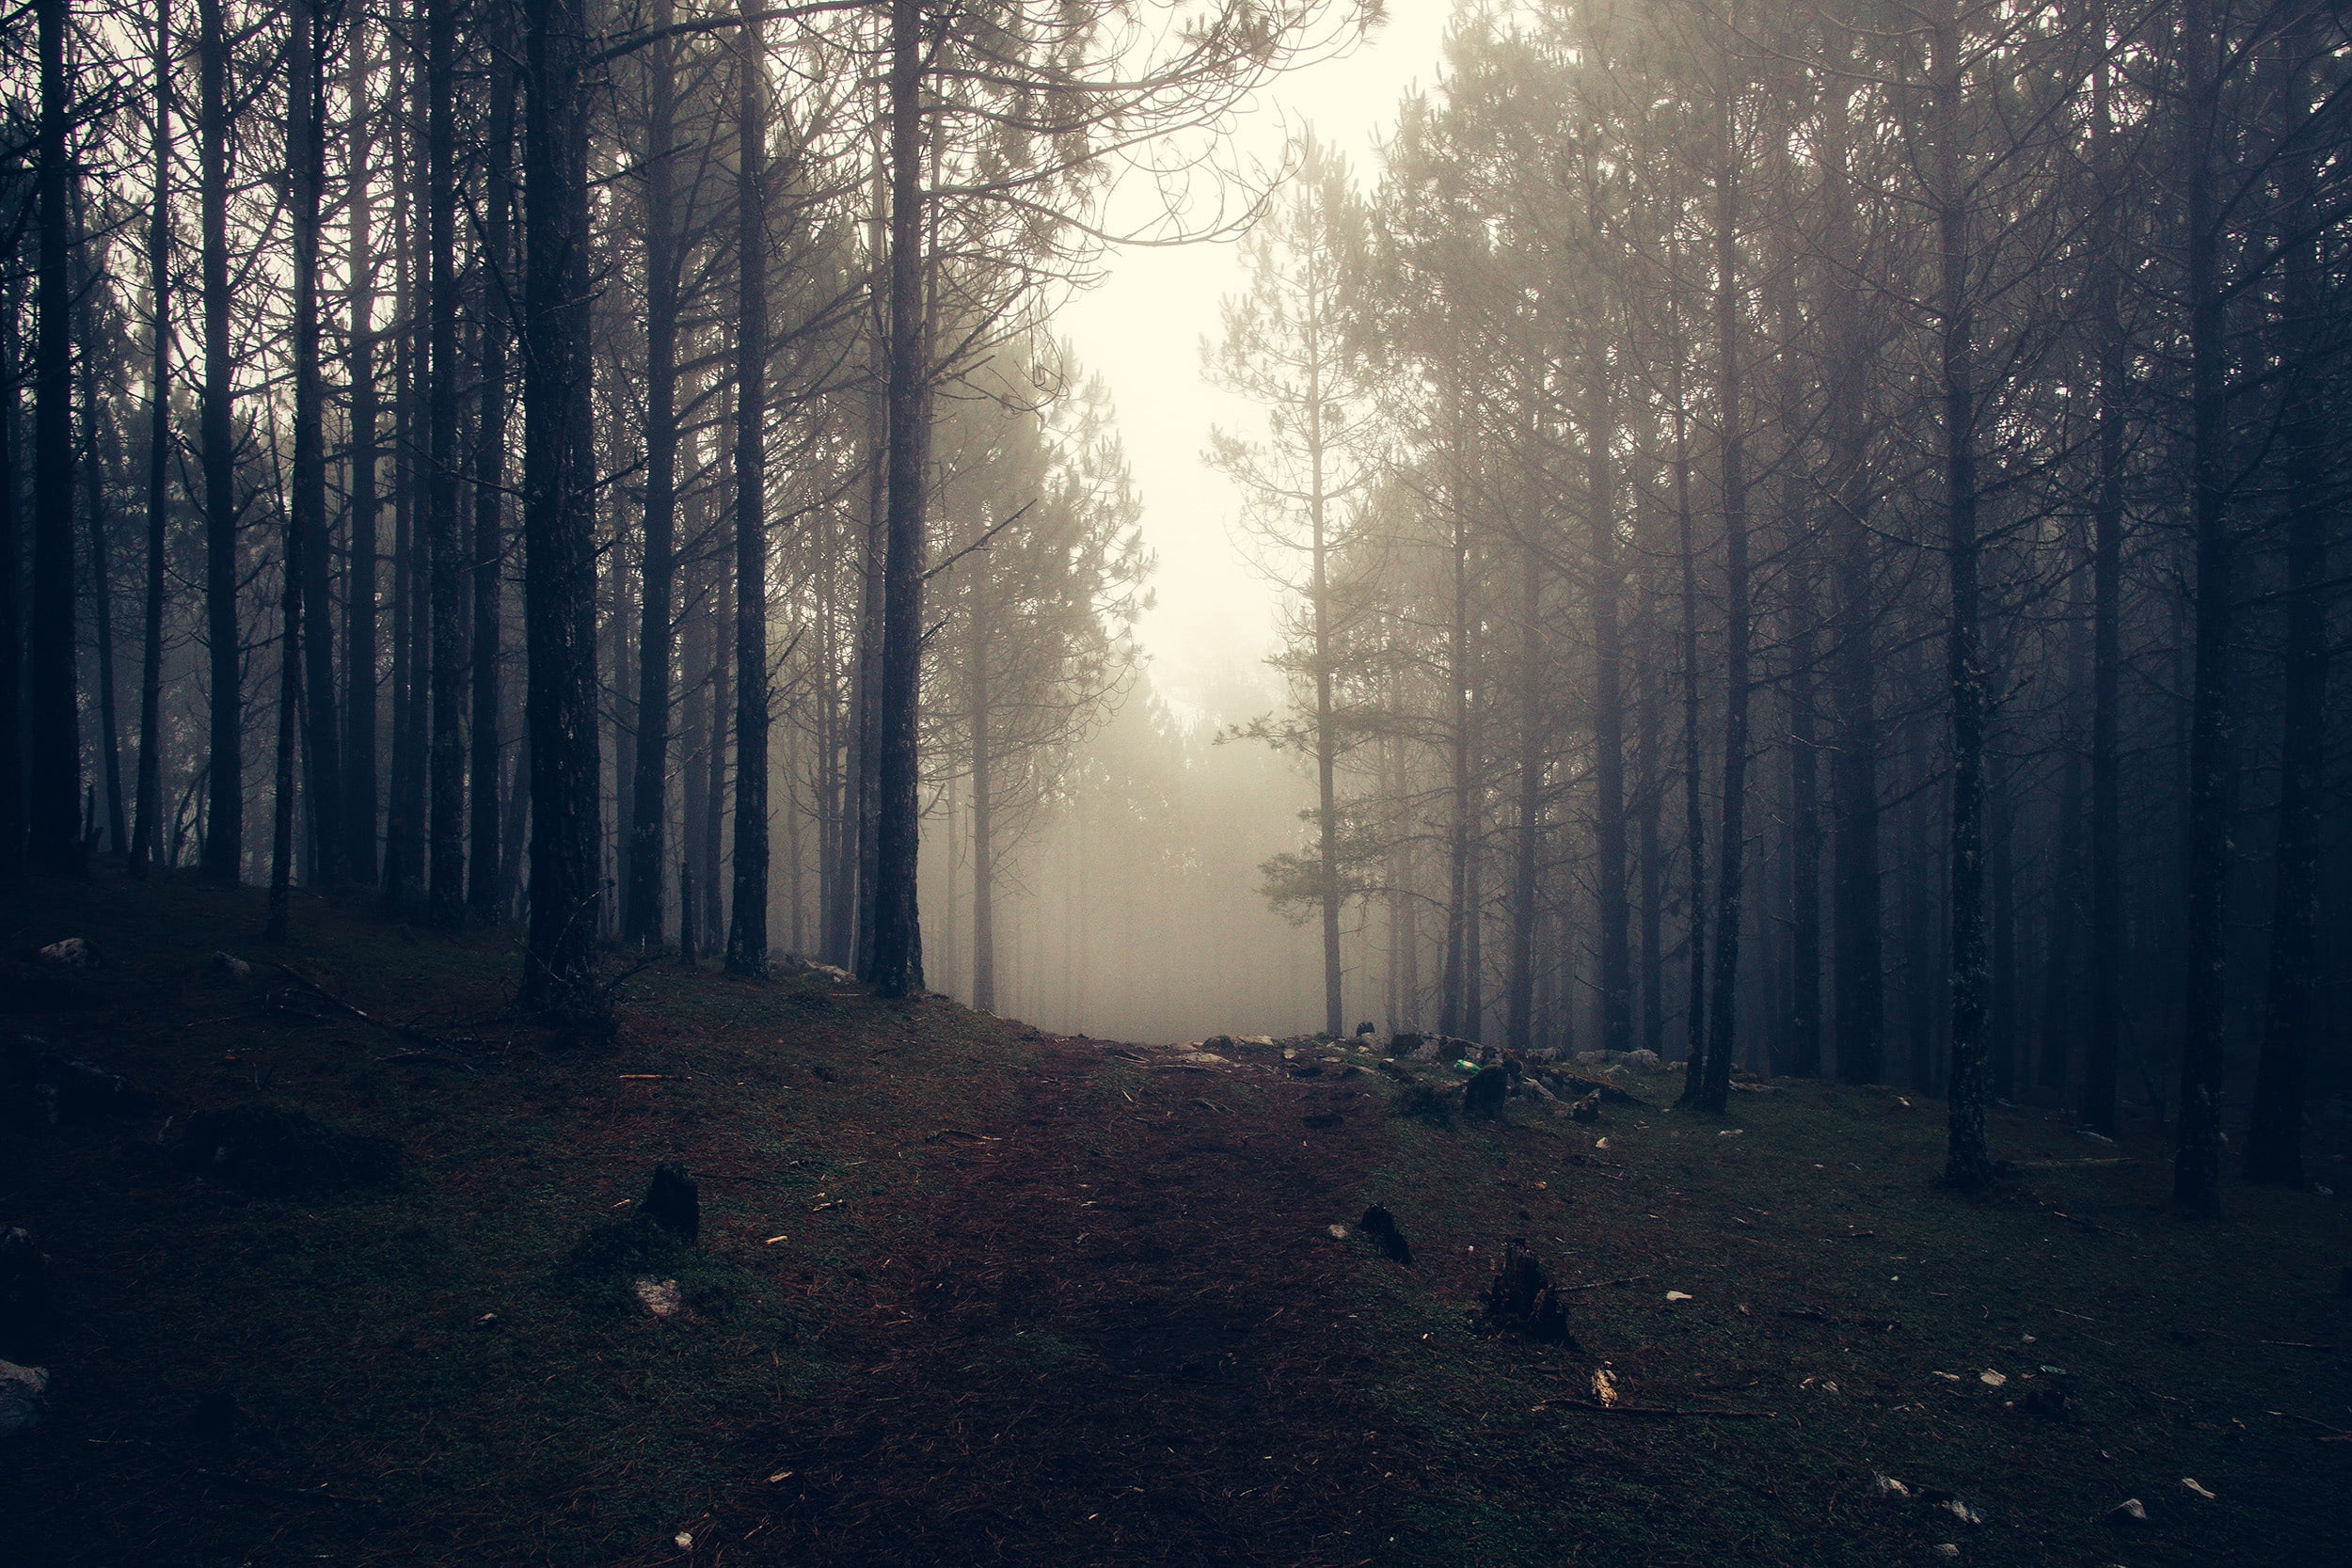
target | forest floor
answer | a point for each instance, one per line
(970, 1293)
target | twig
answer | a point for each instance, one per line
(1603, 1284)
(2339, 1434)
(1653, 1410)
(405, 1031)
(2071, 1164)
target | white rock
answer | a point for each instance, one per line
(660, 1297)
(73, 953)
(1887, 1487)
(1962, 1512)
(24, 1393)
(232, 966)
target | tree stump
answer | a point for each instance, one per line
(1520, 1298)
(673, 1202)
(1381, 1227)
(1481, 1097)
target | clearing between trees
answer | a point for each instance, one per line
(327, 1287)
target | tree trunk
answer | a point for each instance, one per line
(404, 817)
(306, 168)
(1326, 734)
(2066, 879)
(97, 442)
(853, 937)
(1609, 846)
(1709, 1090)
(54, 778)
(1519, 1003)
(2291, 1016)
(282, 815)
(983, 823)
(146, 837)
(1967, 1164)
(698, 678)
(447, 752)
(490, 848)
(224, 832)
(747, 927)
(641, 916)
(1649, 793)
(1456, 984)
(896, 961)
(2103, 1023)
(2197, 1163)
(361, 743)
(2004, 1031)
(1693, 798)
(559, 513)
(1856, 907)
(12, 846)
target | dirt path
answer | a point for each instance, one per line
(1126, 1342)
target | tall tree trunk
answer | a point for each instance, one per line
(559, 513)
(1803, 1040)
(224, 832)
(747, 927)
(715, 783)
(1693, 763)
(1649, 852)
(2103, 1023)
(306, 167)
(53, 779)
(1856, 904)
(2004, 1034)
(641, 916)
(1520, 1001)
(146, 837)
(1327, 734)
(2197, 1163)
(1967, 1164)
(98, 440)
(853, 937)
(1709, 1090)
(983, 822)
(2066, 879)
(896, 961)
(405, 813)
(1609, 846)
(448, 872)
(282, 815)
(1457, 982)
(491, 848)
(362, 742)
(696, 657)
(12, 846)
(2291, 1017)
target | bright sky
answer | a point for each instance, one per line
(1141, 330)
